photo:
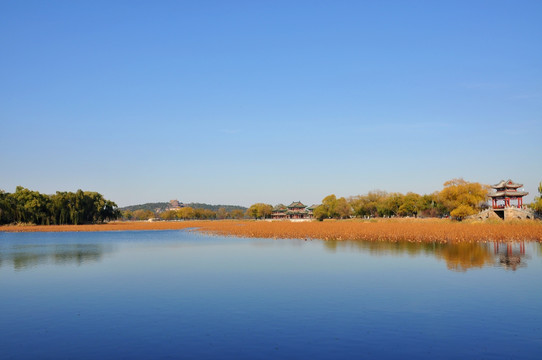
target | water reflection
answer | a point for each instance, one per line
(511, 258)
(27, 256)
(458, 257)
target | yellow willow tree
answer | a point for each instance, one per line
(462, 198)
(259, 211)
(185, 213)
(537, 203)
(332, 207)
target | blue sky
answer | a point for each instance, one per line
(237, 102)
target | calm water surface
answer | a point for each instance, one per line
(179, 294)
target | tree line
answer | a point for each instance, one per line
(184, 213)
(159, 207)
(62, 208)
(256, 211)
(458, 199)
(537, 203)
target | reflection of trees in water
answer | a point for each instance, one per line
(458, 256)
(27, 256)
(79, 255)
(461, 257)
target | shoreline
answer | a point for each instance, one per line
(113, 226)
(412, 230)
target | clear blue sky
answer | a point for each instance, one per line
(236, 102)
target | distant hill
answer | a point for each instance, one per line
(162, 206)
(215, 207)
(157, 207)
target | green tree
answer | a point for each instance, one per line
(411, 205)
(536, 205)
(61, 208)
(343, 209)
(389, 205)
(237, 214)
(108, 211)
(143, 214)
(326, 210)
(7, 208)
(168, 215)
(332, 207)
(221, 213)
(367, 205)
(431, 206)
(320, 213)
(31, 206)
(127, 215)
(204, 214)
(259, 211)
(185, 213)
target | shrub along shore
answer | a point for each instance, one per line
(413, 230)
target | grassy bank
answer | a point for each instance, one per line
(415, 230)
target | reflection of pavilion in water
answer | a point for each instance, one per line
(458, 256)
(510, 254)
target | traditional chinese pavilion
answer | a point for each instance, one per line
(279, 212)
(506, 193)
(295, 210)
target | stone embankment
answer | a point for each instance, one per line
(508, 213)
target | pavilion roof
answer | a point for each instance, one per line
(506, 184)
(509, 193)
(296, 204)
(313, 206)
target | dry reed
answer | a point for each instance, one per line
(412, 230)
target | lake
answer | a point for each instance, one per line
(181, 294)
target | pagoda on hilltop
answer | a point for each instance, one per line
(506, 193)
(174, 205)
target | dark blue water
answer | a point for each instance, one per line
(178, 294)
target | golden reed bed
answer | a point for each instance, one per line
(414, 230)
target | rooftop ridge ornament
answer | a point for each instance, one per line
(509, 184)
